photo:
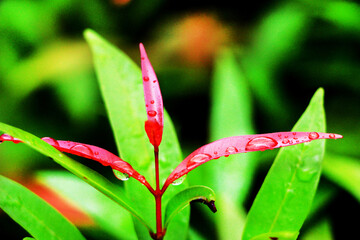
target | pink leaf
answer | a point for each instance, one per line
(242, 144)
(100, 155)
(153, 100)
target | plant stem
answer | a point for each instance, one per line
(158, 195)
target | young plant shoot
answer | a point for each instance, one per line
(154, 126)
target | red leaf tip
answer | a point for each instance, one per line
(153, 100)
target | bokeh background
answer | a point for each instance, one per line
(287, 49)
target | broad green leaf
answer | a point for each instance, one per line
(287, 192)
(34, 214)
(183, 199)
(231, 115)
(113, 219)
(344, 171)
(91, 177)
(121, 86)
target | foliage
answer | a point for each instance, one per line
(276, 56)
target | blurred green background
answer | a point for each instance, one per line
(287, 49)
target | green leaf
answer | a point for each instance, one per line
(276, 40)
(183, 199)
(344, 171)
(121, 86)
(277, 235)
(285, 197)
(109, 216)
(91, 177)
(321, 230)
(231, 115)
(35, 215)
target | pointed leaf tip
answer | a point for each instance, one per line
(153, 100)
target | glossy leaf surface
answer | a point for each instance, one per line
(122, 89)
(287, 192)
(35, 215)
(108, 215)
(243, 144)
(91, 177)
(153, 100)
(100, 155)
(184, 198)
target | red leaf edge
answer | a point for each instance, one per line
(242, 144)
(153, 100)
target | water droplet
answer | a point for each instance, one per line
(152, 101)
(6, 137)
(146, 78)
(142, 179)
(261, 143)
(331, 135)
(121, 176)
(313, 135)
(305, 174)
(152, 113)
(286, 141)
(82, 150)
(154, 81)
(51, 141)
(231, 150)
(197, 160)
(179, 180)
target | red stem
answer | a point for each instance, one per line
(158, 195)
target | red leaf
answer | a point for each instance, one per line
(242, 144)
(153, 100)
(100, 155)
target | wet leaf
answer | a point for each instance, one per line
(153, 100)
(243, 144)
(122, 89)
(100, 155)
(91, 177)
(287, 192)
(35, 215)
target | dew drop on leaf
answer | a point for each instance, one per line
(260, 144)
(6, 137)
(231, 150)
(82, 149)
(179, 180)
(331, 135)
(152, 113)
(286, 141)
(313, 135)
(152, 101)
(51, 141)
(197, 160)
(305, 174)
(121, 176)
(146, 79)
